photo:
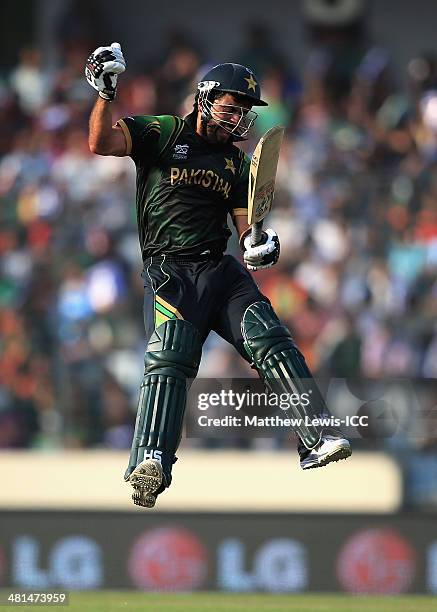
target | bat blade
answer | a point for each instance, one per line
(262, 177)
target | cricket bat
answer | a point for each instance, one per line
(262, 180)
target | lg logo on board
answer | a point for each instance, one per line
(376, 561)
(168, 559)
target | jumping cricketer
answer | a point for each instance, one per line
(191, 177)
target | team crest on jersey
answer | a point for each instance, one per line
(230, 165)
(181, 151)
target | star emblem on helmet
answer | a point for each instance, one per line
(230, 165)
(251, 83)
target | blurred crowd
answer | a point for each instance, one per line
(355, 208)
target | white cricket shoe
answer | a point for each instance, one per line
(328, 450)
(146, 479)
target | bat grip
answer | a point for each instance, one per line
(256, 235)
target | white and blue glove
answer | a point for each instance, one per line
(263, 255)
(102, 69)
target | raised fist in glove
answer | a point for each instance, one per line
(264, 254)
(102, 69)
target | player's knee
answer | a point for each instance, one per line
(263, 333)
(174, 349)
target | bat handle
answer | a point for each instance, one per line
(256, 235)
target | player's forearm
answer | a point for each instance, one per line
(101, 70)
(100, 128)
(241, 224)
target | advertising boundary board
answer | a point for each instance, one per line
(241, 552)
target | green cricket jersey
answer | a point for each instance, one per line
(185, 187)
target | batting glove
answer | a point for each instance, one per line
(263, 255)
(102, 69)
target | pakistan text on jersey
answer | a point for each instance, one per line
(205, 178)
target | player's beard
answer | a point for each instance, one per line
(216, 134)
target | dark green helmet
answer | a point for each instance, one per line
(233, 78)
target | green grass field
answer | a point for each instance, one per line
(112, 601)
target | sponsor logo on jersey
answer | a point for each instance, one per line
(181, 151)
(205, 178)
